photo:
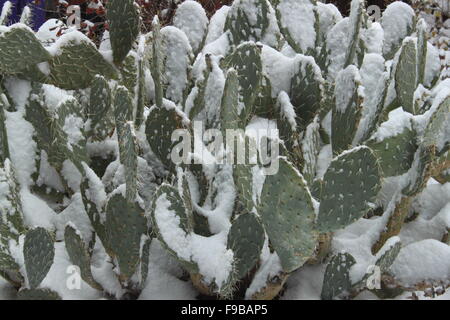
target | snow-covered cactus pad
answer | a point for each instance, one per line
(276, 142)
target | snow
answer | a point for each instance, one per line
(373, 38)
(22, 147)
(217, 24)
(71, 37)
(329, 15)
(374, 80)
(36, 212)
(18, 90)
(287, 109)
(190, 17)
(211, 255)
(323, 161)
(71, 175)
(298, 17)
(305, 284)
(270, 268)
(397, 19)
(337, 43)
(399, 120)
(347, 81)
(426, 260)
(76, 215)
(178, 59)
(48, 32)
(432, 65)
(58, 277)
(5, 12)
(280, 69)
(163, 280)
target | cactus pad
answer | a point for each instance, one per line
(123, 17)
(350, 184)
(125, 224)
(246, 239)
(287, 213)
(337, 278)
(38, 253)
(78, 253)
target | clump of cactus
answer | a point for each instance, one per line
(359, 108)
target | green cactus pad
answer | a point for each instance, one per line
(123, 18)
(337, 278)
(99, 109)
(244, 28)
(160, 125)
(10, 200)
(125, 224)
(437, 132)
(420, 170)
(129, 71)
(406, 76)
(200, 86)
(78, 253)
(141, 94)
(287, 212)
(396, 153)
(311, 145)
(76, 65)
(306, 90)
(246, 239)
(303, 40)
(20, 50)
(145, 255)
(422, 48)
(246, 60)
(9, 269)
(88, 190)
(356, 20)
(177, 64)
(11, 222)
(404, 18)
(38, 253)
(69, 115)
(347, 109)
(157, 61)
(168, 193)
(264, 103)
(388, 257)
(243, 180)
(49, 130)
(352, 182)
(38, 294)
(128, 157)
(4, 148)
(230, 100)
